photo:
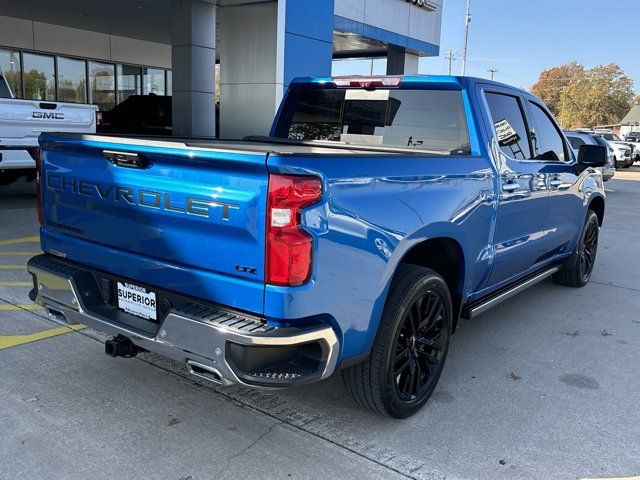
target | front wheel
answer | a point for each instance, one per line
(410, 348)
(580, 273)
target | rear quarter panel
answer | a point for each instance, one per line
(373, 211)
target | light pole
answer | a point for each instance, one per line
(492, 72)
(467, 21)
(451, 56)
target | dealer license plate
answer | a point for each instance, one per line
(137, 301)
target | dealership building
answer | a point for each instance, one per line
(101, 52)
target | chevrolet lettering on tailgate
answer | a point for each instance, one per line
(200, 207)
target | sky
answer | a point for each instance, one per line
(521, 38)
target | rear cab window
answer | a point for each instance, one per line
(415, 119)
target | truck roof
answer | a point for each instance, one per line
(453, 80)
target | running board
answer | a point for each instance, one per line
(475, 309)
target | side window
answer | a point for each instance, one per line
(509, 124)
(547, 141)
(576, 142)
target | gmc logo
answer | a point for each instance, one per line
(48, 116)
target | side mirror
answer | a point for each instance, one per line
(593, 155)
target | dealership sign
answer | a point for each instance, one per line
(426, 4)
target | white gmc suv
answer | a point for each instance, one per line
(22, 121)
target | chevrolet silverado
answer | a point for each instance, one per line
(378, 213)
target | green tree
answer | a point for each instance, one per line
(13, 79)
(552, 83)
(35, 85)
(602, 96)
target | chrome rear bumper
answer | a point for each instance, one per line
(214, 343)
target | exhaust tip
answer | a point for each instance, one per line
(55, 314)
(205, 372)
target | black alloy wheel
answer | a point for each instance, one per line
(410, 347)
(588, 251)
(578, 273)
(419, 346)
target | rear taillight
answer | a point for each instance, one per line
(37, 156)
(289, 248)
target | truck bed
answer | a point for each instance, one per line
(260, 145)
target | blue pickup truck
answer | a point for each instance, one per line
(377, 214)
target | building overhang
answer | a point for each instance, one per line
(353, 39)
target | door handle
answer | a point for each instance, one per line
(510, 186)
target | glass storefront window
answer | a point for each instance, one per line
(39, 77)
(129, 81)
(10, 69)
(72, 80)
(153, 82)
(102, 85)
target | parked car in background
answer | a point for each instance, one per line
(635, 141)
(144, 115)
(139, 115)
(380, 211)
(614, 139)
(577, 139)
(622, 151)
(634, 135)
(22, 121)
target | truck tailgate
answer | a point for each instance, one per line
(21, 121)
(191, 219)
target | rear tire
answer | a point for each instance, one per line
(580, 273)
(410, 348)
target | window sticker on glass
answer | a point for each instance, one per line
(507, 135)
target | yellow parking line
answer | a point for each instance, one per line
(5, 253)
(16, 284)
(27, 306)
(13, 267)
(19, 240)
(15, 340)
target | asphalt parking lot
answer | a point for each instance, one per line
(544, 386)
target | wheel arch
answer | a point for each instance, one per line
(444, 255)
(597, 204)
(437, 247)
